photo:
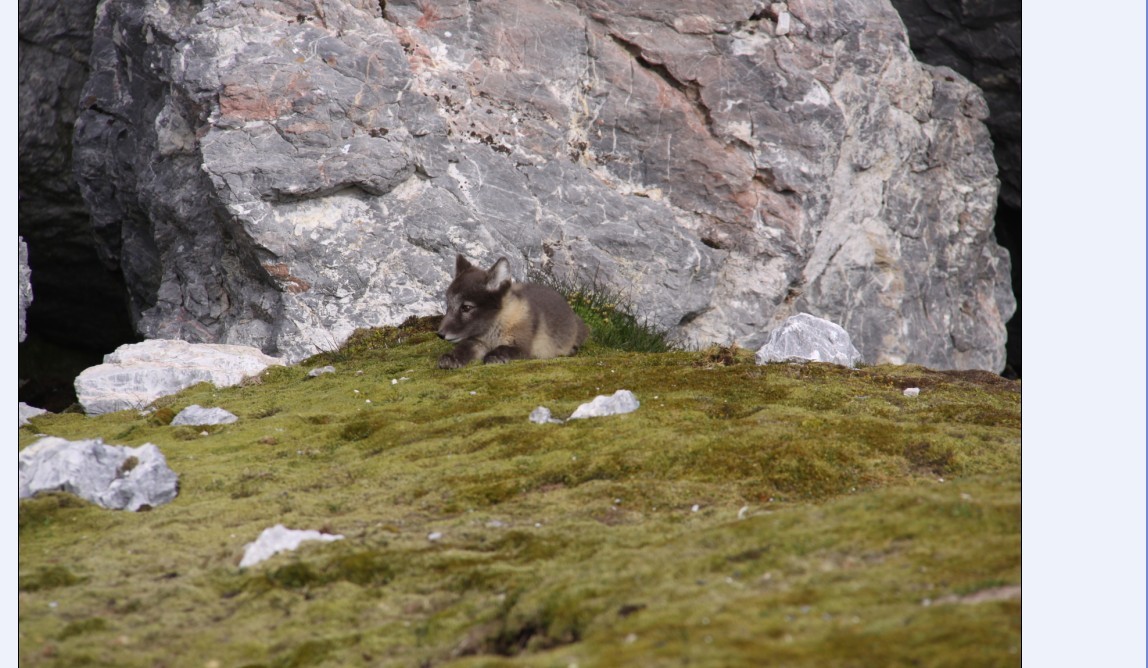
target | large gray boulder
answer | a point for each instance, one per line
(137, 374)
(279, 174)
(111, 476)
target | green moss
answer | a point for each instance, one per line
(83, 627)
(49, 577)
(802, 512)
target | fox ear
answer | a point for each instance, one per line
(461, 264)
(498, 275)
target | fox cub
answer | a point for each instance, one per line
(489, 316)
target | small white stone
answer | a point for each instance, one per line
(279, 539)
(695, 508)
(434, 536)
(783, 26)
(319, 371)
(540, 415)
(622, 401)
(912, 391)
(742, 512)
(196, 415)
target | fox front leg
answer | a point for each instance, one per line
(464, 353)
(503, 354)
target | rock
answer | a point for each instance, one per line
(111, 476)
(807, 338)
(719, 196)
(27, 412)
(74, 284)
(622, 401)
(196, 415)
(541, 415)
(912, 391)
(25, 286)
(783, 26)
(137, 374)
(981, 41)
(319, 371)
(278, 539)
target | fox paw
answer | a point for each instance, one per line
(449, 361)
(496, 357)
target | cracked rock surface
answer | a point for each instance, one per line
(278, 174)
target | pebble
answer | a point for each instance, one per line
(912, 391)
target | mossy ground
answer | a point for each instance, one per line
(745, 515)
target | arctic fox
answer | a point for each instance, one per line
(489, 316)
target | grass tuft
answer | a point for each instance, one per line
(610, 317)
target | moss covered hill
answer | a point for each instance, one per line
(787, 515)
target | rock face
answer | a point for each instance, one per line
(139, 373)
(112, 476)
(981, 40)
(73, 283)
(277, 174)
(25, 287)
(805, 338)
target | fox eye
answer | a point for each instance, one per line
(466, 308)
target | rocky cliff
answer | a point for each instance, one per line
(982, 41)
(280, 173)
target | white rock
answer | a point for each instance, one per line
(434, 536)
(137, 374)
(541, 415)
(278, 539)
(912, 391)
(27, 412)
(806, 338)
(197, 415)
(112, 476)
(319, 371)
(622, 401)
(783, 26)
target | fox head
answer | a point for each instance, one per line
(474, 299)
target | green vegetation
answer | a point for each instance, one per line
(612, 323)
(745, 515)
